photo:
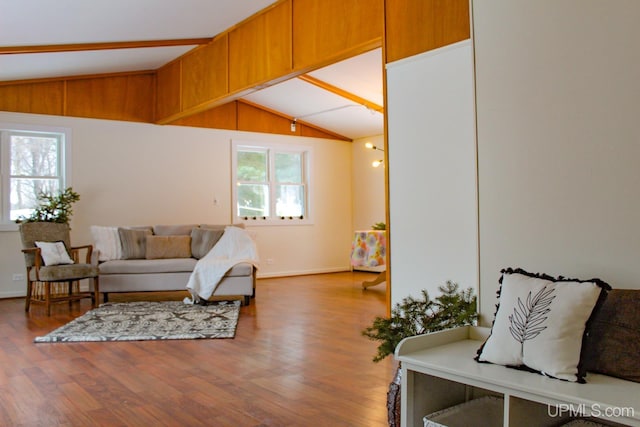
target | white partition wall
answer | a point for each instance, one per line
(558, 103)
(432, 171)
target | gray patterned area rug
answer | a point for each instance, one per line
(144, 320)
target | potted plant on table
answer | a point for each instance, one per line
(416, 316)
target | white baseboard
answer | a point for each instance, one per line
(18, 294)
(13, 294)
(301, 272)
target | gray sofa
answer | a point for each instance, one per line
(161, 258)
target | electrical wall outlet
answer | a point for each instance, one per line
(17, 277)
(269, 261)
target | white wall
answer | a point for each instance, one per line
(142, 174)
(432, 172)
(558, 139)
(368, 185)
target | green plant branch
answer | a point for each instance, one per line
(53, 207)
(414, 316)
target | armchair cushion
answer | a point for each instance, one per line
(65, 272)
(54, 253)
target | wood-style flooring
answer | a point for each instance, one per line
(298, 359)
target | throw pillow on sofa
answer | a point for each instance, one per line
(173, 230)
(163, 247)
(134, 242)
(107, 242)
(202, 240)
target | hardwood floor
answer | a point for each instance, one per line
(298, 359)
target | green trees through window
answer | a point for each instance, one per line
(271, 182)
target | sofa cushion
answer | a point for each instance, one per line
(612, 344)
(134, 242)
(202, 240)
(162, 247)
(172, 265)
(146, 266)
(173, 230)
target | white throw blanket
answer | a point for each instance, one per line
(234, 247)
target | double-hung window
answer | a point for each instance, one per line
(32, 161)
(271, 183)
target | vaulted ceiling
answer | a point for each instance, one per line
(41, 39)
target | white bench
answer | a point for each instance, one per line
(439, 371)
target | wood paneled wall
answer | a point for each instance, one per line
(168, 89)
(37, 98)
(244, 116)
(222, 117)
(117, 97)
(128, 97)
(260, 50)
(326, 31)
(205, 73)
(416, 26)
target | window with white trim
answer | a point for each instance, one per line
(32, 161)
(271, 183)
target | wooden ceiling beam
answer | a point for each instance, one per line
(79, 47)
(341, 92)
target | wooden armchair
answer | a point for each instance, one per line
(47, 284)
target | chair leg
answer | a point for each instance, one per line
(27, 302)
(47, 297)
(95, 299)
(70, 292)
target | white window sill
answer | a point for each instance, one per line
(272, 222)
(9, 227)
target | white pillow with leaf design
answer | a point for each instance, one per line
(540, 323)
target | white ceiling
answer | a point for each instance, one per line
(47, 22)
